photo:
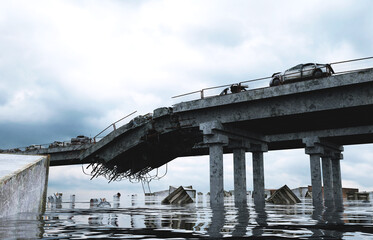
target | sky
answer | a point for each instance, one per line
(71, 68)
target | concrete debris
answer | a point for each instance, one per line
(57, 144)
(234, 88)
(140, 120)
(80, 140)
(179, 196)
(34, 147)
(159, 112)
(283, 196)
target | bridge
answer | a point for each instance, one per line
(320, 115)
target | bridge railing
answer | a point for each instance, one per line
(113, 125)
(203, 91)
(55, 144)
(77, 143)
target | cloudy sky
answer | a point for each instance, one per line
(73, 67)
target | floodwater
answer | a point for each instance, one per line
(139, 217)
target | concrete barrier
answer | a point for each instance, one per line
(23, 184)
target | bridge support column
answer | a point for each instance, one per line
(258, 178)
(331, 171)
(239, 164)
(216, 175)
(216, 137)
(337, 180)
(327, 181)
(314, 150)
(216, 142)
(317, 198)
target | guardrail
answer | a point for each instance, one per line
(112, 125)
(69, 143)
(202, 91)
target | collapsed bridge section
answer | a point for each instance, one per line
(319, 115)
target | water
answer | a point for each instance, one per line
(137, 217)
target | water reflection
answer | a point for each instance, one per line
(136, 217)
(217, 222)
(22, 226)
(261, 219)
(242, 219)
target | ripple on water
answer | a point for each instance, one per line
(146, 218)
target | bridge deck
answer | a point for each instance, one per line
(337, 108)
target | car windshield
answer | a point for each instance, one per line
(298, 67)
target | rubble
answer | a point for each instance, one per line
(234, 88)
(56, 144)
(283, 196)
(34, 147)
(80, 140)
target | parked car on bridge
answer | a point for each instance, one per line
(301, 72)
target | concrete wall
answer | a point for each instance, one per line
(23, 184)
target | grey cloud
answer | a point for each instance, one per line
(62, 129)
(221, 35)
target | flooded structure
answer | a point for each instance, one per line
(23, 184)
(178, 196)
(283, 195)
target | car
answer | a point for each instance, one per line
(301, 72)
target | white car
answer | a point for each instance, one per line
(301, 72)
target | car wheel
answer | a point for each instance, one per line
(317, 73)
(276, 82)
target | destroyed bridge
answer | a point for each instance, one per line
(319, 115)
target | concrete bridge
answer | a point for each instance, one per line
(319, 115)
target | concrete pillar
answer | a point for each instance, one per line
(239, 166)
(258, 178)
(337, 183)
(327, 181)
(215, 141)
(216, 175)
(317, 199)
